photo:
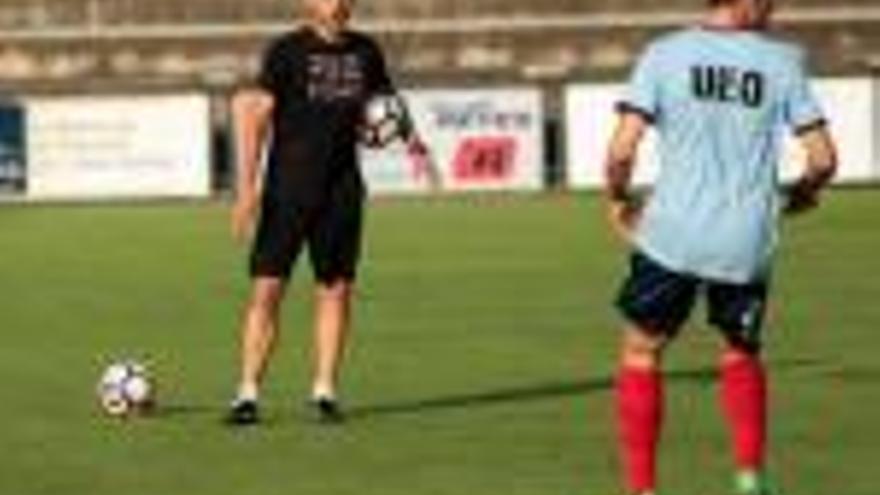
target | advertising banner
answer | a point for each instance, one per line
(118, 147)
(481, 140)
(13, 152)
(849, 105)
(590, 117)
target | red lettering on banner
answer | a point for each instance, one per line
(485, 159)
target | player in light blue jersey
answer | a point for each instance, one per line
(721, 96)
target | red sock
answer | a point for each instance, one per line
(639, 416)
(744, 400)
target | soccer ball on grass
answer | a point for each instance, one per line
(126, 389)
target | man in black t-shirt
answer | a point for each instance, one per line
(307, 108)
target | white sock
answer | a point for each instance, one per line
(248, 392)
(323, 391)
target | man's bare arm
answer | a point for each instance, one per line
(252, 112)
(623, 209)
(820, 170)
(416, 145)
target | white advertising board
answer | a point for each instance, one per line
(849, 104)
(118, 147)
(481, 140)
(590, 118)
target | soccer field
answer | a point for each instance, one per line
(482, 362)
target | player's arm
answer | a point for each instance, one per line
(252, 113)
(622, 207)
(805, 116)
(639, 109)
(417, 147)
(820, 169)
(252, 110)
(383, 83)
(409, 130)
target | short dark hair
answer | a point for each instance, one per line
(718, 3)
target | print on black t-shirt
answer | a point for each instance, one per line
(334, 77)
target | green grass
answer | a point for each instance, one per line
(484, 349)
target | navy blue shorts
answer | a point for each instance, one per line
(660, 300)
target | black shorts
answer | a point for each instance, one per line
(331, 231)
(660, 300)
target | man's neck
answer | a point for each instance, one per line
(725, 19)
(325, 32)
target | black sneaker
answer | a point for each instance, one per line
(326, 410)
(243, 413)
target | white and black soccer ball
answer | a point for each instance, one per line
(125, 389)
(385, 119)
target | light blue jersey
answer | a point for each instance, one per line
(721, 102)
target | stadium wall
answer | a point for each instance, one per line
(491, 139)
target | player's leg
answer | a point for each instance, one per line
(656, 302)
(739, 312)
(277, 243)
(639, 402)
(334, 248)
(331, 331)
(259, 332)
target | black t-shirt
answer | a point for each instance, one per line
(320, 89)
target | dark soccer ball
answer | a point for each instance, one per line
(384, 120)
